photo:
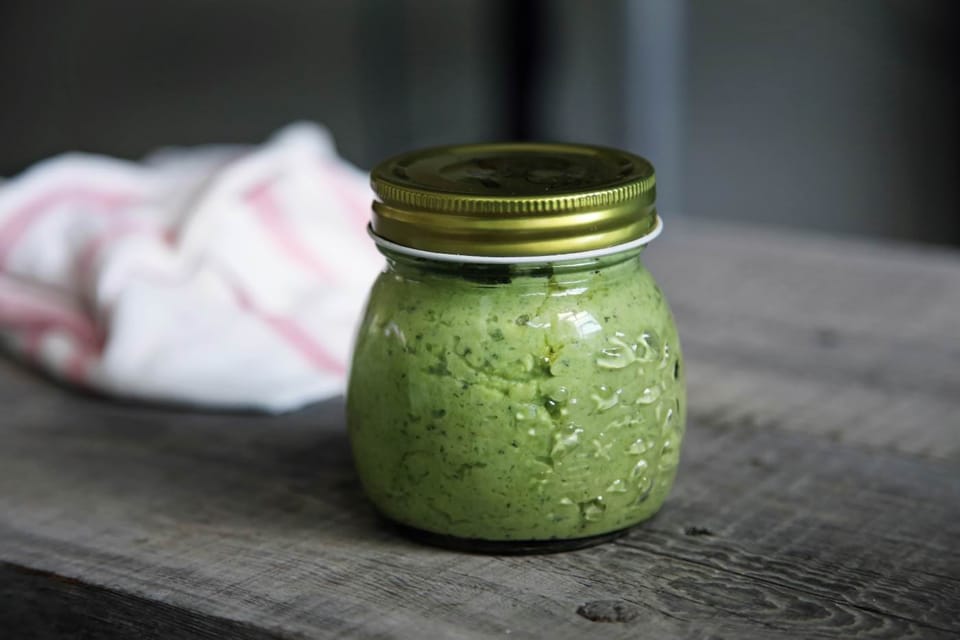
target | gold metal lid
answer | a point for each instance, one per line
(513, 199)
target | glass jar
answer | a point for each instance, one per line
(517, 382)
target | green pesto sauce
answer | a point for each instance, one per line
(537, 406)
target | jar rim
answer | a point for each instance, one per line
(479, 259)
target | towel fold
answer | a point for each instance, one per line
(225, 277)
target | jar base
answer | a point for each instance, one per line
(504, 547)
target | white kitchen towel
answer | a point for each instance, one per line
(224, 277)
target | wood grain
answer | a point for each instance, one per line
(38, 604)
(818, 495)
(260, 522)
(859, 342)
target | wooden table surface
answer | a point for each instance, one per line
(818, 494)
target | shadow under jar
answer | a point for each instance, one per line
(517, 382)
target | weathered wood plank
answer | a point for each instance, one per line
(819, 493)
(37, 604)
(259, 522)
(858, 341)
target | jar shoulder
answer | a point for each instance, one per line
(595, 322)
(586, 299)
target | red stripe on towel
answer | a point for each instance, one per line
(23, 218)
(294, 335)
(271, 215)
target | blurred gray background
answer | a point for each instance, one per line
(834, 115)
